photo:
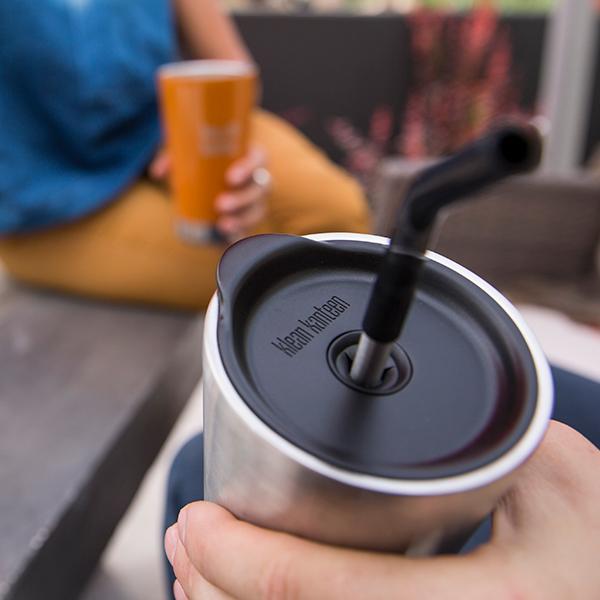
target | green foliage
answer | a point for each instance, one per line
(502, 5)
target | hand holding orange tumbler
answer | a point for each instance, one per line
(206, 107)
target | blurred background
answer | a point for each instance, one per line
(382, 87)
(364, 78)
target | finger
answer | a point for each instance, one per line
(160, 166)
(179, 592)
(250, 563)
(238, 200)
(242, 222)
(240, 172)
(190, 585)
(202, 591)
(206, 591)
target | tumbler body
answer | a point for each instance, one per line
(266, 479)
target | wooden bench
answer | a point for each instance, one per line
(88, 393)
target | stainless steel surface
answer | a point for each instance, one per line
(262, 478)
(258, 483)
(369, 362)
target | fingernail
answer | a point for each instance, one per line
(178, 591)
(181, 524)
(225, 202)
(171, 541)
(226, 226)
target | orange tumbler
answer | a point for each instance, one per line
(206, 107)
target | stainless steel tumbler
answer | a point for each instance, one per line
(292, 444)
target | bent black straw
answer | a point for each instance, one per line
(507, 151)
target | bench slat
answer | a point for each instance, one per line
(88, 394)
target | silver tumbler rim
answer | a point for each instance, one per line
(479, 477)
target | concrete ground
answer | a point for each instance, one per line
(131, 568)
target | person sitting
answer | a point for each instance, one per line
(83, 205)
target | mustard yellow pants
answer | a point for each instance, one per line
(128, 251)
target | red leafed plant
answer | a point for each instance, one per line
(462, 80)
(363, 153)
(462, 83)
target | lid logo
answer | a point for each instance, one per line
(310, 326)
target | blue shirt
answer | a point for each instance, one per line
(78, 110)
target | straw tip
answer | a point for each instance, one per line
(519, 146)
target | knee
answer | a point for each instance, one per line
(310, 193)
(327, 201)
(347, 207)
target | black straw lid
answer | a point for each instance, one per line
(458, 393)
